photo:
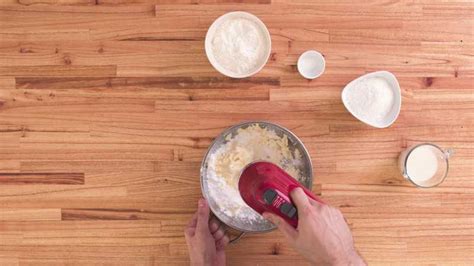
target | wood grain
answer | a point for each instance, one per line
(20, 215)
(107, 108)
(42, 178)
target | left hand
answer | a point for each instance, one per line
(206, 240)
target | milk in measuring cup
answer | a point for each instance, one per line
(422, 164)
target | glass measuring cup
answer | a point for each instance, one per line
(425, 165)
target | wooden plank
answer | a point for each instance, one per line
(6, 83)
(25, 23)
(71, 252)
(309, 13)
(133, 2)
(30, 214)
(113, 198)
(103, 153)
(181, 88)
(56, 2)
(46, 35)
(58, 71)
(92, 53)
(42, 178)
(452, 9)
(380, 190)
(9, 138)
(257, 93)
(148, 260)
(9, 166)
(30, 103)
(9, 261)
(230, 107)
(62, 11)
(347, 3)
(55, 191)
(411, 36)
(23, 123)
(108, 214)
(95, 84)
(83, 166)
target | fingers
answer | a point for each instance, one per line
(216, 229)
(300, 199)
(218, 234)
(193, 221)
(222, 243)
(203, 216)
(285, 228)
(189, 234)
(214, 225)
(191, 227)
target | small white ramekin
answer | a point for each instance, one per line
(311, 64)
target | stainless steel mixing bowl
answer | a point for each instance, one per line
(294, 143)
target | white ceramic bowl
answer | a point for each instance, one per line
(311, 64)
(392, 115)
(212, 30)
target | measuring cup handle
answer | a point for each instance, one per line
(449, 153)
(237, 238)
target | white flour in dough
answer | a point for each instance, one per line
(227, 162)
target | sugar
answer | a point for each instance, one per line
(370, 99)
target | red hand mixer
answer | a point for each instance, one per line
(265, 187)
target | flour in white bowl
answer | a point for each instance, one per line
(239, 45)
(371, 99)
(251, 144)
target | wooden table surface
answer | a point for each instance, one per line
(108, 106)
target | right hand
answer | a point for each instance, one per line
(323, 236)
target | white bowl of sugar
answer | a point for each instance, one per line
(374, 98)
(238, 44)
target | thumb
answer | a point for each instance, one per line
(285, 228)
(202, 216)
(301, 200)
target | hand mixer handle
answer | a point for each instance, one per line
(281, 204)
(266, 187)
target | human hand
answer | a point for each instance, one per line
(206, 240)
(322, 237)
